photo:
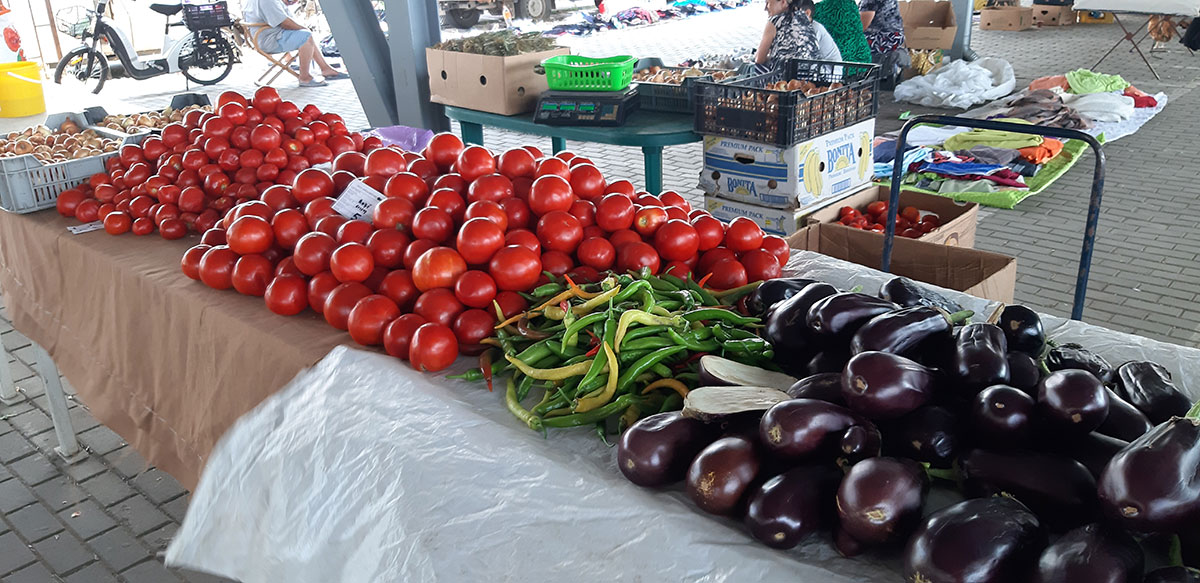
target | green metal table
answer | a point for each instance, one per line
(648, 130)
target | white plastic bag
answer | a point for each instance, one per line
(960, 84)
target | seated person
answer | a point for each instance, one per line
(841, 19)
(827, 48)
(789, 35)
(883, 27)
(285, 35)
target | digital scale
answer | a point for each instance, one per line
(586, 108)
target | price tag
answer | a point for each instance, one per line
(357, 201)
(85, 228)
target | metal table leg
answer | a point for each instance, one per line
(68, 446)
(558, 144)
(1132, 38)
(8, 389)
(472, 133)
(653, 156)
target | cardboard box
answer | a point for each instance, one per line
(979, 273)
(928, 24)
(958, 219)
(799, 177)
(1095, 17)
(1006, 18)
(782, 222)
(503, 85)
(1053, 16)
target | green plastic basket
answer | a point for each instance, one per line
(575, 73)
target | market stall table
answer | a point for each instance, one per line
(1188, 8)
(648, 130)
(164, 361)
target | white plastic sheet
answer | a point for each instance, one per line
(960, 84)
(1172, 7)
(364, 471)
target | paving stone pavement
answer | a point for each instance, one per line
(110, 517)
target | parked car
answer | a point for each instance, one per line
(465, 13)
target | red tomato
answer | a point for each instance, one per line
(369, 318)
(234, 112)
(478, 240)
(727, 274)
(250, 234)
(678, 269)
(511, 303)
(676, 240)
(318, 209)
(252, 274)
(647, 199)
(408, 186)
(713, 257)
(415, 250)
(434, 224)
(534, 151)
(438, 267)
(634, 256)
(266, 99)
(515, 268)
(557, 262)
(585, 211)
(355, 231)
(743, 234)
(594, 231)
(912, 213)
(473, 162)
(778, 247)
(615, 212)
(351, 262)
(433, 348)
(387, 247)
(143, 226)
(559, 231)
(523, 238)
(517, 213)
(384, 162)
(438, 305)
(341, 301)
(522, 186)
(710, 230)
(398, 334)
(68, 201)
(475, 289)
(393, 214)
(472, 326)
(172, 229)
(312, 184)
(553, 166)
(648, 220)
(676, 213)
(230, 97)
(517, 162)
(312, 253)
(319, 288)
(587, 182)
(214, 236)
(216, 267)
(550, 193)
(289, 225)
(352, 162)
(443, 150)
(452, 181)
(449, 201)
(486, 209)
(760, 265)
(191, 261)
(493, 187)
(621, 186)
(596, 253)
(117, 223)
(623, 237)
(287, 295)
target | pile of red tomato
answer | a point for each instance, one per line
(910, 221)
(459, 232)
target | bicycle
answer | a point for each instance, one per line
(204, 50)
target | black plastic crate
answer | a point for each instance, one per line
(202, 16)
(670, 97)
(747, 110)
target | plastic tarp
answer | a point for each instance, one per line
(960, 84)
(363, 470)
(1172, 7)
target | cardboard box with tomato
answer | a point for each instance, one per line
(956, 221)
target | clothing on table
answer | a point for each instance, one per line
(841, 19)
(933, 135)
(957, 186)
(1003, 177)
(272, 13)
(883, 169)
(1046, 107)
(993, 138)
(886, 31)
(827, 49)
(1059, 81)
(1107, 107)
(1084, 81)
(794, 38)
(990, 155)
(1025, 167)
(961, 168)
(1141, 99)
(1043, 152)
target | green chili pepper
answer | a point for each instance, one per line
(661, 370)
(631, 356)
(645, 319)
(547, 290)
(670, 305)
(720, 315)
(747, 345)
(614, 408)
(572, 331)
(648, 343)
(673, 280)
(645, 363)
(556, 400)
(692, 344)
(514, 406)
(643, 331)
(660, 284)
(673, 402)
(628, 291)
(725, 333)
(731, 296)
(706, 297)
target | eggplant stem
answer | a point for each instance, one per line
(1175, 552)
(995, 317)
(1194, 412)
(960, 317)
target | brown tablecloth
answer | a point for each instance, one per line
(166, 362)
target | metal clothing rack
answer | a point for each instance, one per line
(1093, 216)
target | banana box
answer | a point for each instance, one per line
(797, 177)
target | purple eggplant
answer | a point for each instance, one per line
(832, 359)
(1092, 554)
(1058, 489)
(1072, 400)
(721, 476)
(929, 435)
(1001, 418)
(980, 359)
(1148, 386)
(879, 501)
(845, 544)
(1153, 485)
(775, 291)
(839, 316)
(786, 327)
(986, 540)
(880, 385)
(909, 294)
(791, 506)
(657, 450)
(1173, 575)
(1023, 330)
(802, 429)
(1124, 421)
(822, 387)
(904, 331)
(1073, 356)
(1093, 450)
(1023, 372)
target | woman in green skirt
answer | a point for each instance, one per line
(841, 19)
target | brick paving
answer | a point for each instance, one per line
(109, 517)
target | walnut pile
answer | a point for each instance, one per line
(139, 122)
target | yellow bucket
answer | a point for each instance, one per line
(21, 90)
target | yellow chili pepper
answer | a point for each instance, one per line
(562, 297)
(579, 293)
(646, 319)
(585, 404)
(599, 300)
(550, 374)
(672, 384)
